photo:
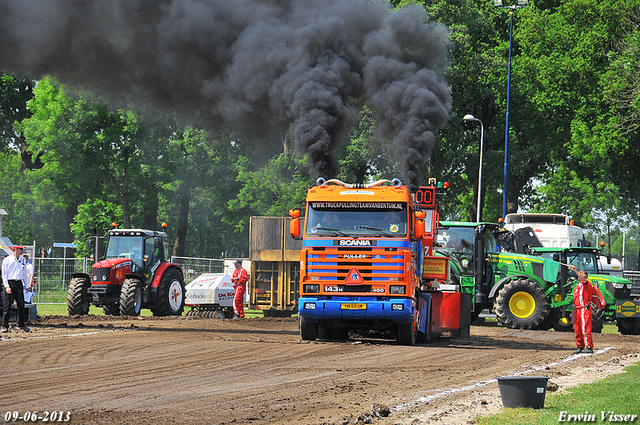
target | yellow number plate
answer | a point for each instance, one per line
(354, 306)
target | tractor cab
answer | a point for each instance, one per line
(145, 251)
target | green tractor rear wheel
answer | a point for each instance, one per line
(521, 304)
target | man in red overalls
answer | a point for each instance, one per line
(239, 279)
(583, 295)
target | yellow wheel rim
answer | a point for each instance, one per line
(522, 305)
(564, 321)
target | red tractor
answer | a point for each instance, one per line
(134, 275)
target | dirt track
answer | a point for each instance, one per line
(108, 370)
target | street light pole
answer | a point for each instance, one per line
(506, 131)
(470, 117)
(512, 10)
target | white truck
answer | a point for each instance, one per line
(553, 230)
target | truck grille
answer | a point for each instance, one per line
(374, 264)
(634, 277)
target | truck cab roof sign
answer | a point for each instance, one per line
(358, 205)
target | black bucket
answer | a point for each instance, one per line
(523, 391)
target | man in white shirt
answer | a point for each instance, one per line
(14, 273)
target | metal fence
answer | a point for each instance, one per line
(193, 267)
(52, 275)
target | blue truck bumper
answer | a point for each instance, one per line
(397, 310)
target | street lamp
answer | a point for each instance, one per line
(512, 10)
(470, 117)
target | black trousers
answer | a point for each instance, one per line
(16, 294)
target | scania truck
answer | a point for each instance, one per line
(362, 264)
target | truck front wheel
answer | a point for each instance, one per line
(521, 304)
(77, 298)
(308, 331)
(408, 332)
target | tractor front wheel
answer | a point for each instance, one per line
(597, 319)
(565, 324)
(553, 316)
(521, 304)
(170, 294)
(131, 297)
(629, 326)
(77, 298)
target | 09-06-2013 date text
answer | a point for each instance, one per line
(46, 416)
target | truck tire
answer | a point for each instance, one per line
(308, 331)
(111, 309)
(629, 326)
(521, 304)
(77, 299)
(324, 331)
(131, 297)
(407, 332)
(170, 295)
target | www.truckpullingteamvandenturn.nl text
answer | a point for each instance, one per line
(602, 416)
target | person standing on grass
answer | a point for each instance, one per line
(239, 279)
(14, 273)
(583, 295)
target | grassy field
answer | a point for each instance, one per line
(617, 395)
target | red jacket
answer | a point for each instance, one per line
(585, 293)
(240, 277)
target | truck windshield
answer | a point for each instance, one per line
(355, 219)
(125, 247)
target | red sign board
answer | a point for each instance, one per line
(426, 197)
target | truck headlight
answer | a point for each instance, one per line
(309, 306)
(313, 288)
(398, 289)
(397, 307)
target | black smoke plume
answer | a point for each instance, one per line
(298, 63)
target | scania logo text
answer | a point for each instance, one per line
(354, 242)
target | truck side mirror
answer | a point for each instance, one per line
(419, 226)
(294, 228)
(294, 224)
